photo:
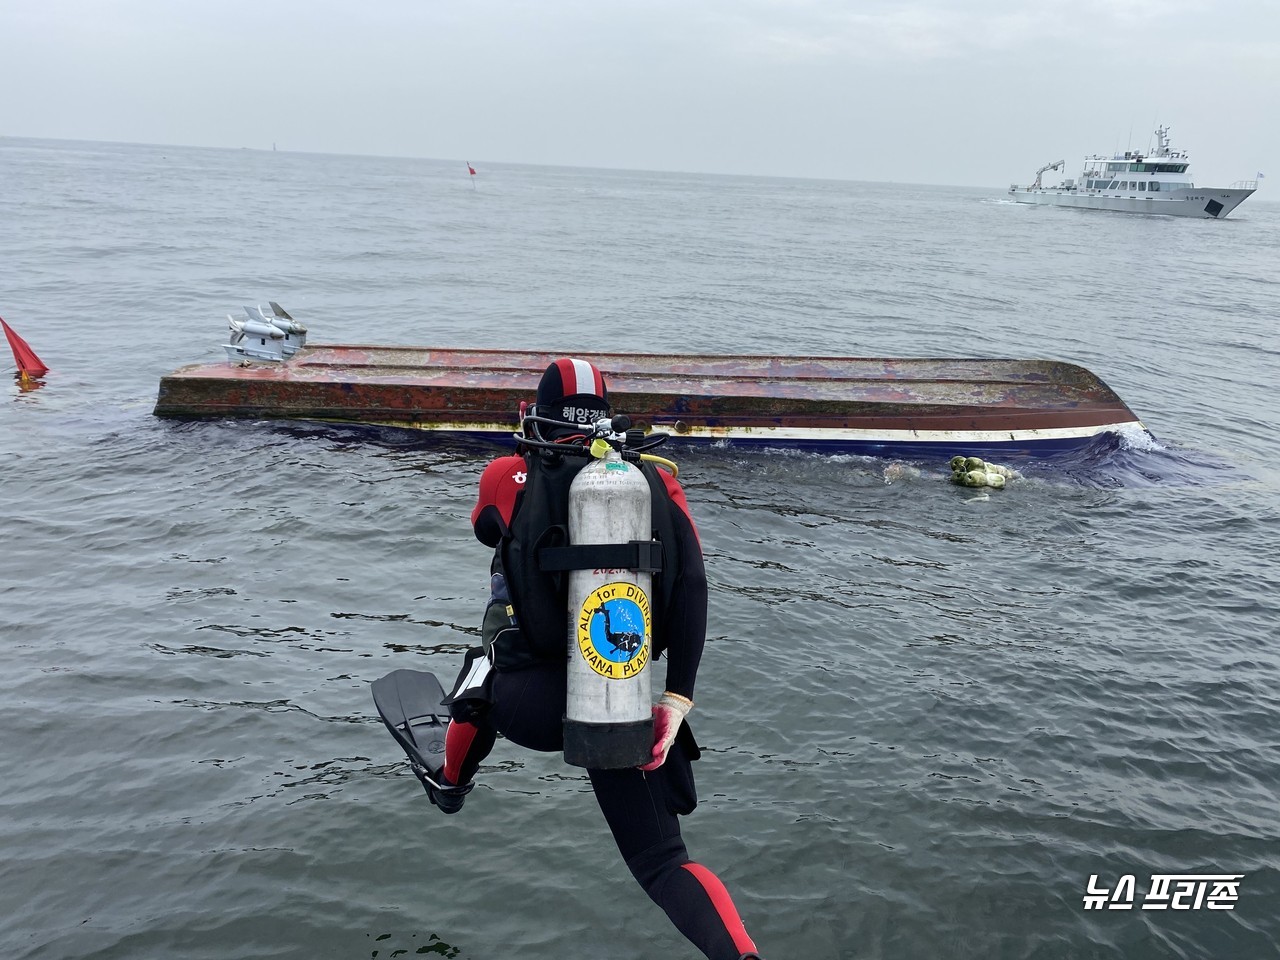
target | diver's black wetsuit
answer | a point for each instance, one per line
(640, 807)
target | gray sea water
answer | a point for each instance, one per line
(930, 717)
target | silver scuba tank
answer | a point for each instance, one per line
(608, 722)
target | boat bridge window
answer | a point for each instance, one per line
(1146, 168)
(1155, 185)
(1114, 185)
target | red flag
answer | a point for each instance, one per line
(470, 169)
(29, 365)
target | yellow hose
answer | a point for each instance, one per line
(663, 461)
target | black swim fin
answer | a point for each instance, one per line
(410, 703)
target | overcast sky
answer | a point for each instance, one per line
(963, 92)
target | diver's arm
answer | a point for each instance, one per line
(686, 624)
(686, 629)
(500, 483)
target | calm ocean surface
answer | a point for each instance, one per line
(930, 717)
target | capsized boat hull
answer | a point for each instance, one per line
(879, 406)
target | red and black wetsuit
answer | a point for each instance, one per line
(641, 808)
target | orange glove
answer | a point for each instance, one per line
(668, 713)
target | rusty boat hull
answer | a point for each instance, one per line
(878, 406)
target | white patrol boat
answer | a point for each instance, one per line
(1159, 182)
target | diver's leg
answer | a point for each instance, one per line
(528, 706)
(528, 710)
(638, 810)
(465, 747)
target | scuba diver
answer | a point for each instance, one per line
(516, 684)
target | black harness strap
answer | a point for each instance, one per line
(640, 555)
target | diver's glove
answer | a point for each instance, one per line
(668, 713)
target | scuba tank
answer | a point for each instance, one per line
(603, 574)
(608, 722)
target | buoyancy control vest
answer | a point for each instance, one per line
(538, 590)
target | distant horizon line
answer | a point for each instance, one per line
(513, 163)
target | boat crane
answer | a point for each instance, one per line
(1048, 166)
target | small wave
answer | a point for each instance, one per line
(1137, 438)
(1134, 458)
